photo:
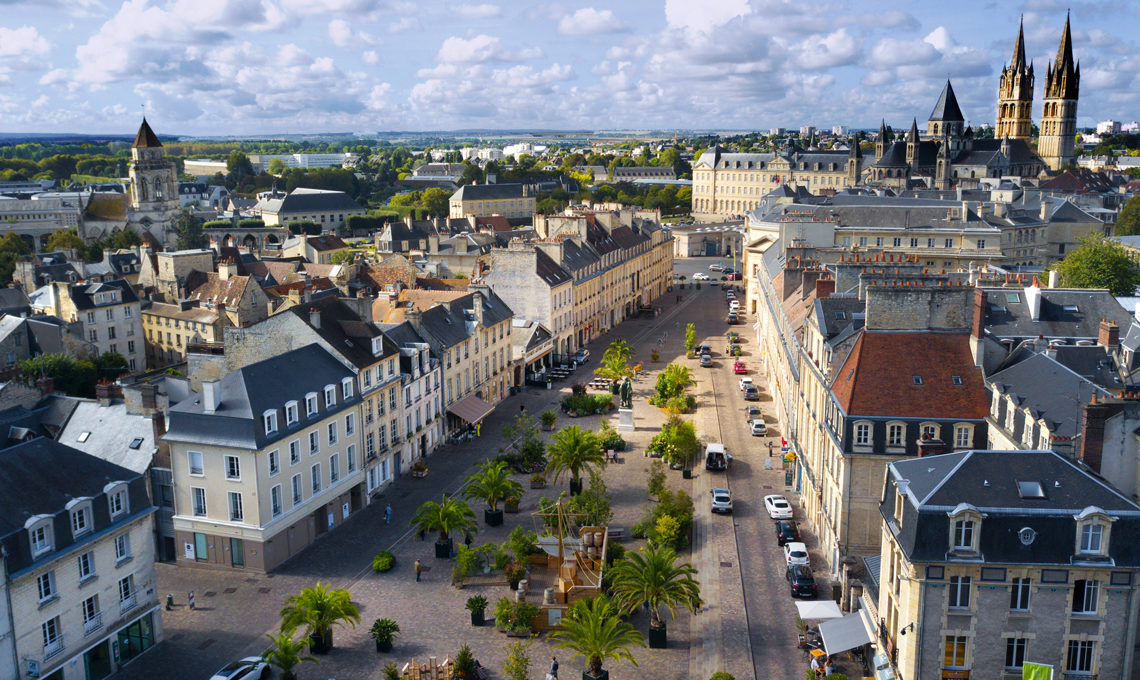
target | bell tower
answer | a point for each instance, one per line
(1015, 95)
(153, 185)
(1059, 117)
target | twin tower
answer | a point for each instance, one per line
(1057, 137)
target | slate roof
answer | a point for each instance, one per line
(112, 434)
(196, 314)
(487, 192)
(446, 328)
(1049, 390)
(146, 139)
(326, 242)
(548, 270)
(311, 200)
(877, 379)
(493, 222)
(946, 108)
(834, 314)
(251, 390)
(344, 330)
(83, 295)
(1069, 313)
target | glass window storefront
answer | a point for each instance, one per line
(135, 639)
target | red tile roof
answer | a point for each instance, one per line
(877, 379)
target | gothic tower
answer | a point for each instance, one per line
(946, 119)
(942, 167)
(1015, 95)
(1059, 117)
(855, 161)
(881, 142)
(154, 186)
(912, 148)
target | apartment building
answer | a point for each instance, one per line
(237, 296)
(266, 460)
(329, 209)
(109, 312)
(170, 328)
(991, 560)
(77, 564)
(315, 249)
(730, 184)
(513, 201)
(536, 288)
(421, 378)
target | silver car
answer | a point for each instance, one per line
(721, 501)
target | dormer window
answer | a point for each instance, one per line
(346, 388)
(117, 499)
(965, 528)
(330, 396)
(290, 412)
(40, 534)
(1094, 527)
(862, 434)
(964, 534)
(80, 511)
(270, 420)
(311, 404)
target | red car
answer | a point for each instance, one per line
(739, 367)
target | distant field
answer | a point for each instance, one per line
(92, 179)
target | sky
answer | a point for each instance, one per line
(263, 67)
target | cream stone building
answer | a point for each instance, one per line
(513, 201)
(109, 311)
(169, 329)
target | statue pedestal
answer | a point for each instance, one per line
(625, 420)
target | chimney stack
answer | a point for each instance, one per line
(978, 324)
(211, 396)
(314, 317)
(414, 317)
(1108, 334)
(824, 288)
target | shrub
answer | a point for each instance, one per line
(476, 603)
(614, 552)
(218, 224)
(391, 672)
(721, 675)
(515, 616)
(678, 507)
(501, 558)
(666, 529)
(384, 630)
(517, 665)
(656, 483)
(466, 562)
(548, 418)
(251, 223)
(383, 561)
(523, 543)
(503, 610)
(464, 663)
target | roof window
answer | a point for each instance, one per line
(1070, 308)
(136, 443)
(82, 437)
(917, 379)
(956, 379)
(1030, 490)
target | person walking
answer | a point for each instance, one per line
(553, 673)
(388, 514)
(769, 449)
(418, 569)
(467, 540)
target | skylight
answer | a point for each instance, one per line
(82, 437)
(136, 442)
(956, 379)
(917, 379)
(1030, 490)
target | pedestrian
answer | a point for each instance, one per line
(769, 449)
(696, 605)
(828, 667)
(478, 429)
(388, 514)
(553, 668)
(467, 540)
(422, 534)
(815, 666)
(522, 408)
(418, 569)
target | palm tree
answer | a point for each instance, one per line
(492, 483)
(654, 577)
(445, 517)
(285, 653)
(318, 609)
(574, 451)
(594, 629)
(615, 361)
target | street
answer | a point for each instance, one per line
(747, 627)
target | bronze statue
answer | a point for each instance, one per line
(626, 394)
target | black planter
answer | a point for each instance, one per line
(319, 644)
(443, 549)
(575, 487)
(493, 518)
(604, 675)
(658, 637)
(687, 473)
(383, 646)
(477, 618)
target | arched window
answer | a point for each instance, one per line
(158, 188)
(142, 189)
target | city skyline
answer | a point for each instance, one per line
(247, 67)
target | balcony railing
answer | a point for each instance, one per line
(128, 603)
(53, 648)
(93, 624)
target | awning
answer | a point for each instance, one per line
(849, 632)
(471, 409)
(818, 610)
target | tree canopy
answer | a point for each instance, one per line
(1100, 263)
(1128, 221)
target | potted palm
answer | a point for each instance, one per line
(319, 609)
(654, 577)
(594, 629)
(548, 418)
(492, 484)
(446, 517)
(574, 451)
(383, 632)
(476, 604)
(286, 653)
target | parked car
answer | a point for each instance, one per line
(759, 429)
(725, 286)
(700, 276)
(796, 554)
(716, 267)
(733, 318)
(582, 356)
(777, 507)
(787, 531)
(739, 368)
(721, 501)
(245, 669)
(751, 394)
(703, 349)
(706, 360)
(734, 350)
(751, 412)
(801, 581)
(745, 383)
(733, 336)
(735, 276)
(716, 458)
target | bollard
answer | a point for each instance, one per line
(190, 599)
(169, 601)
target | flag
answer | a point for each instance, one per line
(1036, 671)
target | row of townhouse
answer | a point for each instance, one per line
(109, 314)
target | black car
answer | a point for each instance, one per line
(801, 580)
(787, 532)
(732, 318)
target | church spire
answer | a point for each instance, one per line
(146, 139)
(1063, 78)
(912, 136)
(1018, 60)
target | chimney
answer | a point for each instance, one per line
(978, 324)
(433, 243)
(211, 396)
(1033, 300)
(930, 447)
(1040, 345)
(46, 385)
(227, 268)
(158, 426)
(414, 317)
(808, 279)
(999, 209)
(461, 244)
(1053, 278)
(1108, 334)
(477, 306)
(314, 317)
(824, 288)
(103, 394)
(408, 220)
(1093, 417)
(1044, 209)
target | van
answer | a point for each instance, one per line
(716, 458)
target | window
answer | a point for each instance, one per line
(294, 452)
(392, 399)
(91, 619)
(314, 442)
(349, 424)
(274, 462)
(86, 565)
(948, 243)
(45, 586)
(295, 482)
(1086, 592)
(122, 547)
(929, 431)
(310, 404)
(275, 500)
(1079, 658)
(332, 434)
(929, 243)
(916, 379)
(117, 502)
(895, 434)
(862, 434)
(194, 458)
(290, 412)
(270, 420)
(315, 472)
(90, 317)
(1091, 538)
(110, 314)
(1019, 595)
(334, 468)
(964, 534)
(80, 520)
(199, 495)
(346, 388)
(1015, 652)
(350, 457)
(126, 592)
(111, 333)
(330, 396)
(959, 592)
(53, 637)
(962, 436)
(954, 655)
(233, 467)
(981, 243)
(236, 514)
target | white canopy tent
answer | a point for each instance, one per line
(849, 632)
(818, 610)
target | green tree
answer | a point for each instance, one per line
(690, 337)
(189, 230)
(238, 166)
(653, 576)
(1128, 221)
(436, 201)
(615, 361)
(446, 517)
(517, 665)
(318, 609)
(285, 653)
(74, 377)
(673, 381)
(594, 629)
(492, 484)
(60, 167)
(573, 451)
(343, 257)
(276, 166)
(1099, 263)
(66, 239)
(12, 242)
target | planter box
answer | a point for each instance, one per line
(538, 485)
(512, 508)
(493, 518)
(605, 675)
(477, 618)
(658, 637)
(519, 634)
(443, 549)
(383, 647)
(419, 474)
(575, 488)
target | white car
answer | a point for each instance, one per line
(721, 500)
(716, 267)
(778, 507)
(700, 276)
(796, 554)
(759, 428)
(249, 668)
(745, 383)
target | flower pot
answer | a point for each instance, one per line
(383, 646)
(493, 518)
(511, 507)
(443, 549)
(477, 618)
(603, 675)
(319, 644)
(575, 487)
(538, 485)
(658, 637)
(687, 473)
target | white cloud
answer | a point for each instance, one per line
(704, 15)
(340, 32)
(468, 50)
(470, 12)
(370, 57)
(590, 21)
(56, 75)
(25, 41)
(826, 51)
